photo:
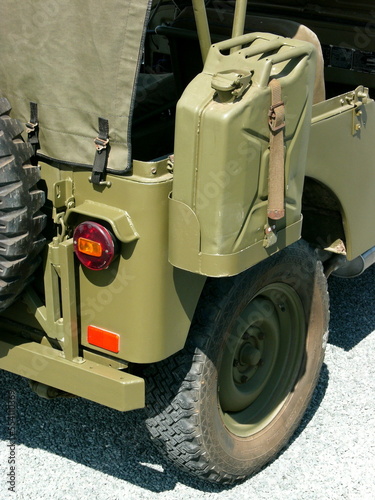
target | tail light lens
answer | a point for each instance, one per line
(94, 246)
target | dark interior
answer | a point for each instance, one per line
(346, 31)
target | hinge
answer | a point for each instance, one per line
(230, 85)
(360, 97)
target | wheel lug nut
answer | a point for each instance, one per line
(246, 336)
(282, 307)
(243, 379)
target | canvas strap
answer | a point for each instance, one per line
(276, 175)
(102, 151)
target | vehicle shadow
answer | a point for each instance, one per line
(102, 439)
(117, 444)
(87, 433)
(352, 309)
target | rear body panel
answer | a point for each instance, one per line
(141, 296)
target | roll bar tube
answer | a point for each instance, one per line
(203, 29)
(239, 21)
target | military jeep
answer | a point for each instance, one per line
(177, 181)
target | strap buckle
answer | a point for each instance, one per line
(100, 144)
(276, 118)
(31, 127)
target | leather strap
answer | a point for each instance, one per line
(276, 175)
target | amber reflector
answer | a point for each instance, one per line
(90, 247)
(103, 338)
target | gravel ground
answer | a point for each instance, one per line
(74, 449)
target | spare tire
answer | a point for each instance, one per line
(21, 222)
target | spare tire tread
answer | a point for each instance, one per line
(21, 219)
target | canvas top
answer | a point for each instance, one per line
(78, 61)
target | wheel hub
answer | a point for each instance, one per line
(261, 359)
(248, 355)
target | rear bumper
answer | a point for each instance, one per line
(102, 384)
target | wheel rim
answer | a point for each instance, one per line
(261, 359)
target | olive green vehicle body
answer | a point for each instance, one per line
(199, 213)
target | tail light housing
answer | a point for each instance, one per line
(94, 245)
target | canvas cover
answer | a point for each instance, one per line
(78, 60)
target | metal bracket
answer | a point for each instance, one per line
(102, 183)
(270, 236)
(63, 194)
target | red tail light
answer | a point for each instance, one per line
(94, 246)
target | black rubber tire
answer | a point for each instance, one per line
(21, 221)
(185, 417)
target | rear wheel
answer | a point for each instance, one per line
(21, 221)
(229, 402)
